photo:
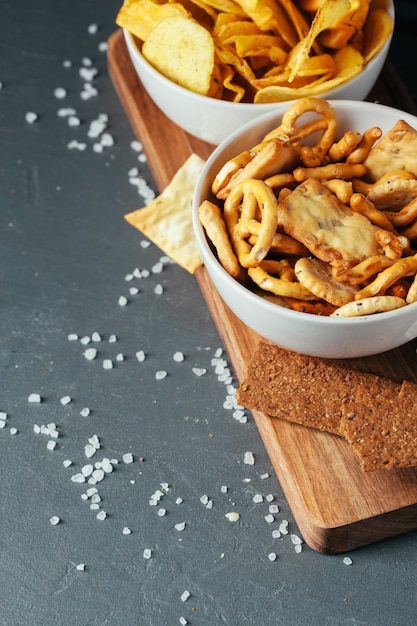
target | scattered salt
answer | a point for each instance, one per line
(158, 290)
(85, 412)
(140, 355)
(112, 339)
(13, 431)
(274, 508)
(101, 515)
(65, 400)
(185, 595)
(34, 398)
(183, 621)
(127, 458)
(147, 553)
(60, 93)
(269, 518)
(248, 458)
(66, 463)
(126, 531)
(54, 520)
(180, 526)
(122, 301)
(51, 445)
(199, 371)
(233, 516)
(161, 512)
(96, 337)
(178, 357)
(257, 498)
(72, 337)
(31, 117)
(80, 567)
(107, 364)
(161, 374)
(85, 340)
(347, 560)
(78, 478)
(272, 556)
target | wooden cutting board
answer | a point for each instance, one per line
(336, 505)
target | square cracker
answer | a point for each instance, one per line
(396, 150)
(167, 219)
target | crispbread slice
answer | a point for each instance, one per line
(381, 426)
(298, 388)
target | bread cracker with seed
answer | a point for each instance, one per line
(397, 149)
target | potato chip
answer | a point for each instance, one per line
(183, 51)
(167, 220)
(377, 29)
(141, 16)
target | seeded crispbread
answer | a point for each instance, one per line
(299, 388)
(381, 426)
(377, 416)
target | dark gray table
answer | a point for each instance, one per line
(66, 257)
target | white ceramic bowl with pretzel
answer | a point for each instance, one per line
(213, 120)
(314, 334)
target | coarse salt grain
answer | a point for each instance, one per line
(180, 526)
(51, 445)
(67, 463)
(85, 412)
(161, 374)
(31, 117)
(78, 478)
(101, 515)
(272, 556)
(274, 508)
(347, 560)
(133, 291)
(96, 337)
(233, 516)
(158, 290)
(80, 567)
(127, 458)
(178, 357)
(283, 527)
(85, 340)
(13, 431)
(147, 553)
(224, 489)
(76, 145)
(55, 520)
(183, 621)
(72, 337)
(269, 518)
(248, 458)
(140, 355)
(161, 512)
(120, 357)
(126, 531)
(65, 400)
(122, 301)
(60, 93)
(185, 595)
(257, 498)
(34, 398)
(199, 371)
(107, 364)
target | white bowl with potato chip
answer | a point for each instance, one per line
(212, 120)
(316, 335)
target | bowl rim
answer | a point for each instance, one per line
(218, 102)
(235, 285)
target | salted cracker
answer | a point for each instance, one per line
(167, 220)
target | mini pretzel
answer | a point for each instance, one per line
(278, 181)
(340, 150)
(248, 198)
(279, 286)
(392, 244)
(404, 216)
(281, 244)
(326, 123)
(274, 156)
(332, 170)
(403, 267)
(316, 277)
(212, 220)
(369, 306)
(361, 204)
(360, 273)
(342, 189)
(229, 169)
(360, 153)
(412, 292)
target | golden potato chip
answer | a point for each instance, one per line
(377, 29)
(268, 15)
(183, 51)
(167, 220)
(141, 16)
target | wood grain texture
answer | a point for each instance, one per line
(337, 506)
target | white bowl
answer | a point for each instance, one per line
(213, 120)
(303, 332)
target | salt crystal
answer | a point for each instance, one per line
(298, 548)
(183, 621)
(13, 431)
(65, 400)
(94, 506)
(55, 520)
(101, 515)
(136, 146)
(98, 475)
(96, 337)
(107, 364)
(180, 526)
(91, 491)
(269, 518)
(120, 357)
(347, 560)
(95, 498)
(78, 478)
(107, 466)
(122, 301)
(161, 512)
(185, 595)
(126, 531)
(89, 450)
(80, 567)
(147, 553)
(204, 499)
(72, 337)
(165, 486)
(2, 423)
(51, 445)
(85, 340)
(233, 516)
(158, 290)
(95, 441)
(269, 498)
(74, 121)
(199, 371)
(157, 268)
(248, 458)
(34, 398)
(276, 534)
(264, 476)
(127, 458)
(140, 355)
(224, 489)
(133, 291)
(178, 357)
(60, 93)
(258, 497)
(179, 501)
(161, 374)
(274, 508)
(296, 540)
(85, 412)
(272, 556)
(283, 527)
(31, 117)
(87, 470)
(112, 339)
(76, 145)
(66, 463)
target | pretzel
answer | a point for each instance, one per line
(281, 244)
(361, 204)
(404, 216)
(269, 158)
(332, 170)
(211, 218)
(392, 244)
(412, 292)
(250, 197)
(278, 181)
(342, 189)
(364, 187)
(403, 267)
(279, 286)
(361, 272)
(342, 148)
(370, 136)
(229, 169)
(326, 124)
